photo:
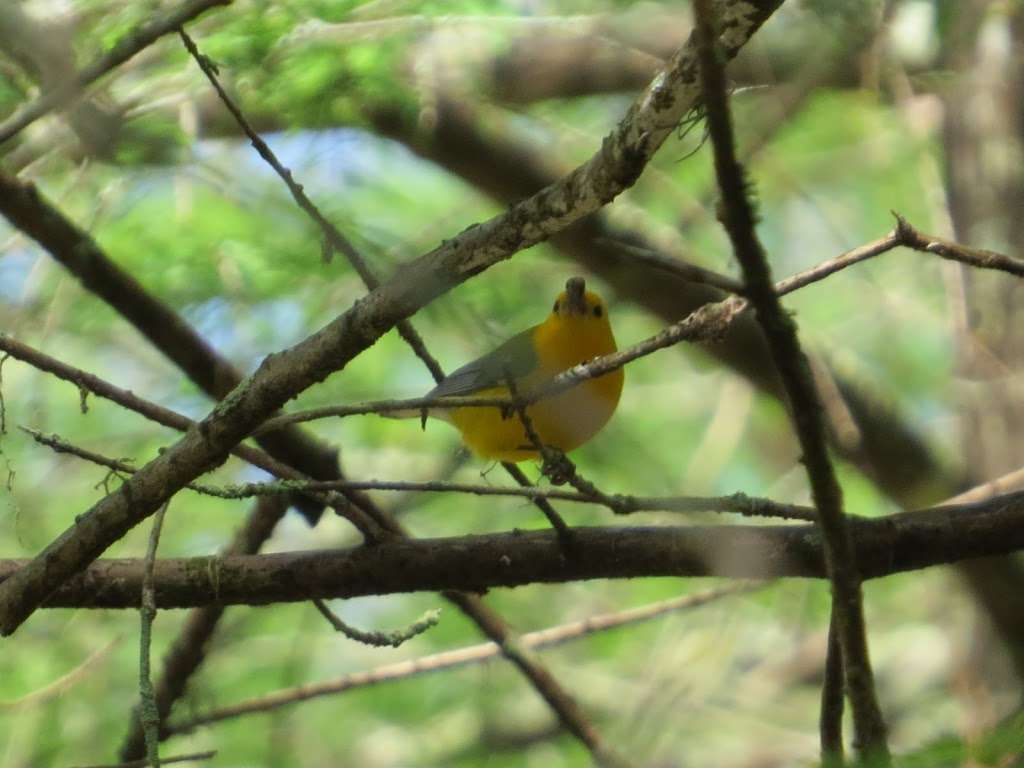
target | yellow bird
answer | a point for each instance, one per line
(577, 330)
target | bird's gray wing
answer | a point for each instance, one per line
(516, 357)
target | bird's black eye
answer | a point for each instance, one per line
(597, 310)
(555, 308)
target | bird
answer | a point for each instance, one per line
(576, 330)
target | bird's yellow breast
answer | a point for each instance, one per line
(564, 421)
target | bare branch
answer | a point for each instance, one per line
(334, 240)
(831, 718)
(189, 649)
(149, 716)
(474, 654)
(195, 757)
(586, 492)
(87, 382)
(392, 639)
(124, 49)
(883, 546)
(738, 218)
(975, 257)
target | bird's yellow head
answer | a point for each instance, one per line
(576, 303)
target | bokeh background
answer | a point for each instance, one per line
(408, 121)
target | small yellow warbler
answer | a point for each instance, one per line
(577, 330)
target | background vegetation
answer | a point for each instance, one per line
(844, 111)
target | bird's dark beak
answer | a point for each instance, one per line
(575, 295)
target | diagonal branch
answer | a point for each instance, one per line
(544, 638)
(88, 383)
(780, 331)
(974, 257)
(334, 240)
(73, 248)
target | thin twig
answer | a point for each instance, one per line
(621, 504)
(188, 650)
(474, 654)
(840, 262)
(195, 757)
(86, 381)
(563, 530)
(975, 257)
(540, 499)
(59, 445)
(683, 269)
(148, 714)
(124, 49)
(333, 240)
(738, 218)
(378, 639)
(3, 404)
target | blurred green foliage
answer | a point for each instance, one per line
(207, 228)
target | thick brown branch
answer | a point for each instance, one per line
(883, 546)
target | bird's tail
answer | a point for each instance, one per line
(416, 413)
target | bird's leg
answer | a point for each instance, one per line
(557, 467)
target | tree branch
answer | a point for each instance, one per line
(189, 648)
(149, 717)
(73, 248)
(975, 257)
(840, 559)
(87, 382)
(124, 49)
(883, 546)
(334, 240)
(544, 638)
